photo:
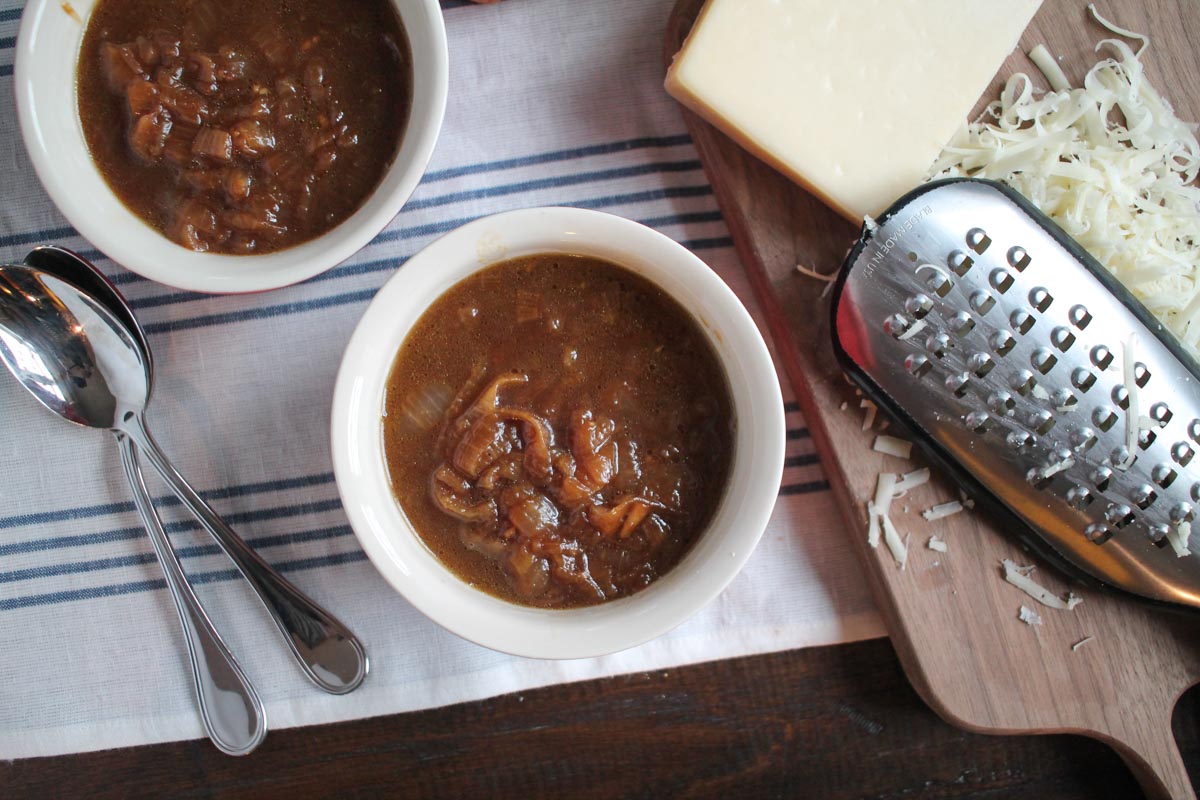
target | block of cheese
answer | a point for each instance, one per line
(852, 99)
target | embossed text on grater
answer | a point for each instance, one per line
(1010, 354)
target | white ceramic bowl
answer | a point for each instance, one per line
(414, 571)
(44, 79)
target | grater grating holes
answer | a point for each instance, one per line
(1146, 438)
(1002, 342)
(918, 365)
(1063, 400)
(958, 383)
(1161, 413)
(1104, 418)
(1023, 382)
(1182, 512)
(1182, 452)
(1043, 360)
(960, 263)
(1164, 475)
(981, 364)
(1097, 533)
(1157, 534)
(1040, 298)
(1018, 258)
(1079, 316)
(1082, 379)
(1001, 403)
(979, 421)
(1022, 321)
(1018, 440)
(1120, 396)
(937, 344)
(1194, 430)
(1041, 421)
(1062, 338)
(978, 240)
(1100, 477)
(1082, 440)
(1079, 497)
(981, 302)
(1101, 356)
(961, 324)
(936, 279)
(1144, 496)
(1118, 515)
(1141, 375)
(895, 325)
(1001, 280)
(919, 305)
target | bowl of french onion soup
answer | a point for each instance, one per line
(228, 145)
(557, 433)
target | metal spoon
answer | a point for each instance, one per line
(81, 362)
(230, 708)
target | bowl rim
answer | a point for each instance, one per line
(131, 242)
(407, 564)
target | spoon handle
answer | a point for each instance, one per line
(232, 713)
(330, 655)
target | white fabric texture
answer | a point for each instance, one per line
(552, 102)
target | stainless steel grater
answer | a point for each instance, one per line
(1008, 352)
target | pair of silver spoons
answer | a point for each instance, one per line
(70, 339)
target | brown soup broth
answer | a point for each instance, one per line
(243, 127)
(558, 430)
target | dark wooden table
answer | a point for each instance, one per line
(830, 722)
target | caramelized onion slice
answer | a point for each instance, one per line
(534, 515)
(481, 445)
(457, 506)
(594, 449)
(537, 438)
(622, 519)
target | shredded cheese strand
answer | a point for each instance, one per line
(1018, 576)
(1118, 30)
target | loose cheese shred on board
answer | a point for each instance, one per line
(891, 537)
(910, 480)
(936, 544)
(1018, 576)
(869, 416)
(873, 530)
(1118, 30)
(942, 510)
(828, 277)
(1080, 643)
(892, 446)
(1029, 616)
(1042, 59)
(885, 490)
(1113, 165)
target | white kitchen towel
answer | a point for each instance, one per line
(551, 102)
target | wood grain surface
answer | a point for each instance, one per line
(835, 723)
(951, 618)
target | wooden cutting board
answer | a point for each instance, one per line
(951, 618)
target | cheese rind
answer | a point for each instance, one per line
(853, 100)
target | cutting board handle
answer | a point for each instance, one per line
(1152, 755)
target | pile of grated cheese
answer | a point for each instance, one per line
(1110, 163)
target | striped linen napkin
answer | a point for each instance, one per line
(552, 102)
